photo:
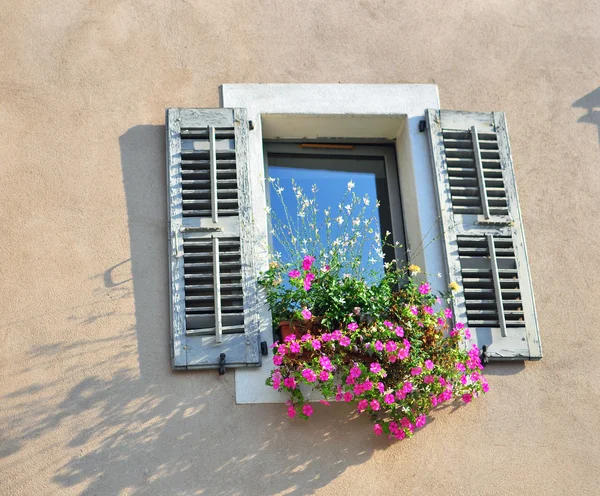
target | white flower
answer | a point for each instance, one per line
(372, 260)
(279, 190)
(272, 179)
(301, 214)
(387, 233)
(356, 221)
(366, 200)
(327, 211)
(350, 185)
(348, 208)
(340, 220)
(439, 274)
(314, 188)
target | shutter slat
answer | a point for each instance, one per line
(483, 232)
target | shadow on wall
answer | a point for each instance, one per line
(590, 102)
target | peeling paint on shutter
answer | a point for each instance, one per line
(483, 232)
(211, 261)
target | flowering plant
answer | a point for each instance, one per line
(383, 344)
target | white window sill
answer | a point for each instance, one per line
(343, 111)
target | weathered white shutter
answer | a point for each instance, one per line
(483, 232)
(213, 281)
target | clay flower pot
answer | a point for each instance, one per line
(286, 328)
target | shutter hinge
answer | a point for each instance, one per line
(422, 126)
(222, 368)
(483, 357)
(264, 348)
(251, 125)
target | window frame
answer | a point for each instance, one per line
(320, 111)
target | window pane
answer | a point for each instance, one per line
(331, 175)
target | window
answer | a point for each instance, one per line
(331, 166)
(456, 185)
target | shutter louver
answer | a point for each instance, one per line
(211, 254)
(483, 232)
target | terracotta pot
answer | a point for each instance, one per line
(287, 328)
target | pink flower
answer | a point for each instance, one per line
(428, 309)
(391, 346)
(289, 382)
(375, 367)
(375, 405)
(307, 262)
(408, 387)
(309, 375)
(345, 341)
(326, 337)
(399, 331)
(348, 397)
(277, 360)
(308, 281)
(424, 288)
(276, 384)
(400, 395)
(414, 310)
(378, 345)
(377, 429)
(416, 371)
(290, 337)
(307, 410)
(388, 399)
(485, 387)
(392, 358)
(325, 402)
(282, 349)
(467, 334)
(352, 326)
(429, 365)
(388, 324)
(460, 326)
(306, 314)
(448, 313)
(402, 353)
(421, 420)
(400, 434)
(460, 367)
(325, 363)
(434, 400)
(294, 274)
(404, 422)
(428, 379)
(316, 344)
(463, 380)
(441, 321)
(355, 372)
(337, 334)
(291, 412)
(306, 337)
(326, 268)
(381, 387)
(295, 347)
(362, 406)
(324, 375)
(467, 398)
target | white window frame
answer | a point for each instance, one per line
(355, 111)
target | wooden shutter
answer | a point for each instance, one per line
(483, 232)
(213, 280)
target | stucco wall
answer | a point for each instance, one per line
(88, 403)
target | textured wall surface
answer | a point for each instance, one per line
(88, 403)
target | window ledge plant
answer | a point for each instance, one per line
(379, 340)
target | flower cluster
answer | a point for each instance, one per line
(395, 369)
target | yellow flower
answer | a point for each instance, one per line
(414, 269)
(453, 286)
(273, 265)
(276, 282)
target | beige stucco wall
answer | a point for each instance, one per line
(88, 403)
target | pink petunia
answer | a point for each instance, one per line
(337, 334)
(400, 434)
(434, 400)
(378, 345)
(289, 382)
(347, 396)
(316, 344)
(345, 341)
(425, 288)
(326, 337)
(392, 358)
(388, 324)
(402, 353)
(325, 363)
(460, 367)
(388, 399)
(308, 281)
(295, 347)
(428, 379)
(414, 310)
(429, 365)
(416, 371)
(291, 412)
(448, 313)
(460, 326)
(277, 360)
(307, 410)
(362, 405)
(427, 309)
(391, 346)
(276, 384)
(306, 314)
(367, 385)
(306, 337)
(375, 367)
(421, 420)
(381, 387)
(467, 334)
(485, 387)
(404, 422)
(324, 376)
(440, 321)
(467, 398)
(399, 331)
(307, 262)
(407, 387)
(400, 395)
(374, 404)
(352, 326)
(290, 337)
(377, 429)
(355, 372)
(294, 274)
(309, 375)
